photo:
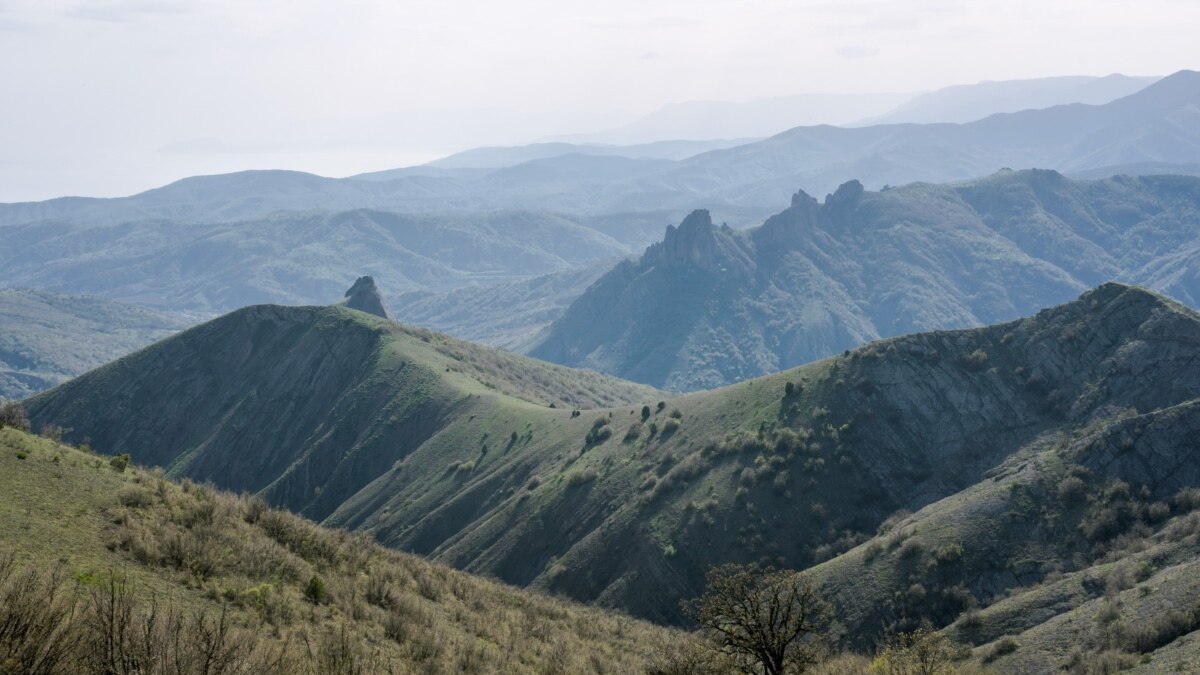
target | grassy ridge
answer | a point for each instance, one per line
(196, 549)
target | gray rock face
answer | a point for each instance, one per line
(365, 297)
(709, 306)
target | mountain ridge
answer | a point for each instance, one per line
(818, 278)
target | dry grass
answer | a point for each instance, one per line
(235, 570)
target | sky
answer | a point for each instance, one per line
(107, 98)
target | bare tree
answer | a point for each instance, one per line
(769, 621)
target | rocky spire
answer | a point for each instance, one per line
(365, 297)
(693, 242)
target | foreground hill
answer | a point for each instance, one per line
(359, 423)
(710, 305)
(48, 338)
(306, 405)
(225, 585)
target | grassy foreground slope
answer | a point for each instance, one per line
(192, 550)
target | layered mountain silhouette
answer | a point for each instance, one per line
(296, 258)
(1153, 126)
(710, 305)
(435, 446)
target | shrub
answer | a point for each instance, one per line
(670, 426)
(661, 405)
(976, 360)
(645, 413)
(789, 390)
(634, 431)
(119, 462)
(314, 590)
(580, 477)
(12, 414)
(921, 652)
(1004, 646)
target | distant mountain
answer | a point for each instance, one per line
(970, 102)
(509, 315)
(298, 258)
(1155, 126)
(730, 119)
(48, 338)
(499, 157)
(1049, 462)
(710, 305)
(1159, 124)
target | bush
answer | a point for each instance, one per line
(645, 413)
(1004, 646)
(12, 414)
(314, 590)
(119, 462)
(789, 390)
(670, 426)
(580, 477)
(921, 652)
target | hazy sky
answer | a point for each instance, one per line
(109, 97)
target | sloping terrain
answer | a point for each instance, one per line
(627, 506)
(294, 258)
(306, 405)
(710, 305)
(48, 338)
(121, 570)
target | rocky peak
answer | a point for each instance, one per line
(847, 195)
(693, 242)
(364, 296)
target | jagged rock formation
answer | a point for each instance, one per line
(365, 297)
(708, 305)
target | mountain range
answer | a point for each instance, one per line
(47, 338)
(1072, 425)
(292, 257)
(1155, 124)
(710, 305)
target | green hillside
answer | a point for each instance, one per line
(128, 549)
(48, 338)
(306, 405)
(818, 464)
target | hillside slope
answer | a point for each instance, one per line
(709, 305)
(236, 577)
(628, 506)
(48, 338)
(292, 257)
(306, 405)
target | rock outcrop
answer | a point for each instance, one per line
(364, 296)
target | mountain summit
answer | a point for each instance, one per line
(709, 305)
(364, 296)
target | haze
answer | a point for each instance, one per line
(110, 98)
